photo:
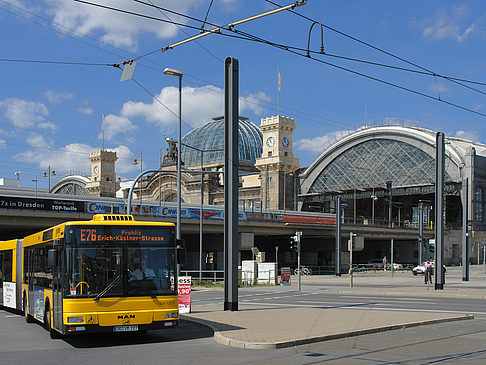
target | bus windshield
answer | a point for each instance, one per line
(106, 261)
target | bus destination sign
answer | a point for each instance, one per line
(122, 235)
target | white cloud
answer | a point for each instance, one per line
(454, 22)
(438, 87)
(23, 113)
(116, 125)
(254, 102)
(316, 144)
(3, 144)
(118, 29)
(471, 136)
(199, 105)
(477, 106)
(56, 97)
(47, 125)
(39, 141)
(72, 157)
(85, 110)
(125, 158)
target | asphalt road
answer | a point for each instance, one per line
(315, 296)
(456, 342)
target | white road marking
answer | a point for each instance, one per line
(370, 308)
(394, 298)
(333, 303)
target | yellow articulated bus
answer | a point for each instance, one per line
(110, 274)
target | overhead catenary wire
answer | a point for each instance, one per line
(452, 79)
(424, 71)
(235, 36)
(56, 62)
(288, 49)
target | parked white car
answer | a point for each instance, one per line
(395, 266)
(420, 269)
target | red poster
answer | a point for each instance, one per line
(184, 293)
(285, 275)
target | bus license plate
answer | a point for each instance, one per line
(125, 328)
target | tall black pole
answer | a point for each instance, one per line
(231, 184)
(338, 236)
(421, 234)
(390, 204)
(439, 210)
(465, 233)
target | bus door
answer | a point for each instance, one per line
(57, 290)
(18, 273)
(29, 279)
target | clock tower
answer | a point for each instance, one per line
(103, 181)
(277, 162)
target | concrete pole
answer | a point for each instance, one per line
(391, 257)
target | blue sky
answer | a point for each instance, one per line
(50, 114)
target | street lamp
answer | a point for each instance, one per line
(170, 141)
(135, 162)
(35, 181)
(172, 72)
(49, 174)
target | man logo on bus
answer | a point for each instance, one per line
(126, 316)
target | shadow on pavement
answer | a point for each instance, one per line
(184, 332)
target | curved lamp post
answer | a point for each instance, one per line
(172, 72)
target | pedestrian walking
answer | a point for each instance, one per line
(384, 263)
(429, 266)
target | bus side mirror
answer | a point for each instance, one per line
(51, 257)
(181, 252)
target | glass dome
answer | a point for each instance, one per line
(210, 138)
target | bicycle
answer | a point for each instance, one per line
(305, 271)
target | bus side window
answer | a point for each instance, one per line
(7, 266)
(1, 269)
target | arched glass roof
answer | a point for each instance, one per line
(210, 137)
(375, 162)
(72, 188)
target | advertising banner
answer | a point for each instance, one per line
(291, 218)
(96, 208)
(171, 212)
(184, 293)
(41, 204)
(9, 295)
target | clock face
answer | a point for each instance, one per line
(271, 141)
(95, 169)
(285, 142)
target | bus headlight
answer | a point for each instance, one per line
(171, 315)
(75, 319)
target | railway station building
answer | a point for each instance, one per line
(383, 173)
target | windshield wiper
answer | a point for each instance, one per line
(107, 289)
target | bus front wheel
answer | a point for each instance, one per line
(47, 323)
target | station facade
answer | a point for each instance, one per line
(382, 173)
